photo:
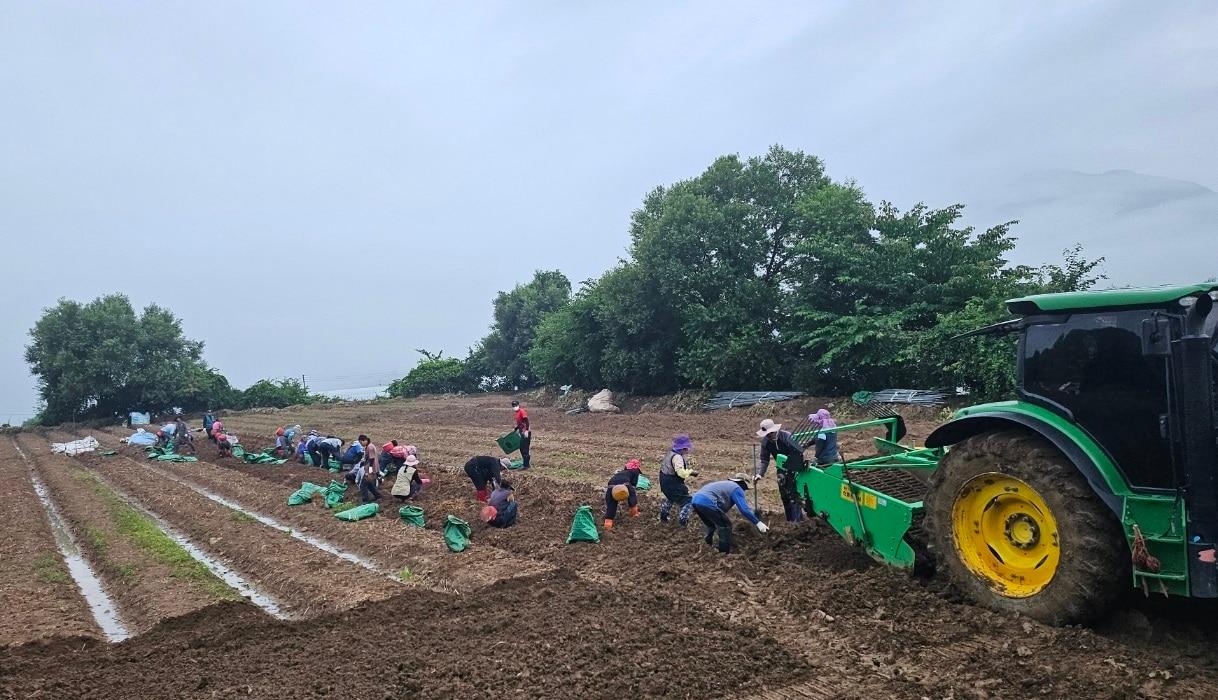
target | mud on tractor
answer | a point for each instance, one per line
(1100, 475)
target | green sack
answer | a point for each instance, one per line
(333, 465)
(509, 443)
(516, 464)
(171, 457)
(334, 493)
(308, 459)
(305, 494)
(238, 451)
(456, 533)
(263, 457)
(644, 483)
(411, 515)
(108, 453)
(359, 512)
(583, 528)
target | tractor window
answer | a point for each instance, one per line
(1092, 365)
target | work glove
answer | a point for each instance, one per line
(762, 527)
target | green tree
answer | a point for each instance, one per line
(434, 374)
(267, 393)
(502, 355)
(879, 308)
(100, 359)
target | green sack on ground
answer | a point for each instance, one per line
(333, 465)
(171, 457)
(359, 512)
(583, 528)
(644, 483)
(509, 443)
(334, 493)
(411, 515)
(238, 451)
(305, 494)
(456, 533)
(308, 459)
(108, 453)
(264, 457)
(516, 464)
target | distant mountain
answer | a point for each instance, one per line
(1152, 230)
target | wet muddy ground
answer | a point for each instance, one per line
(649, 611)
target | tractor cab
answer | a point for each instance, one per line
(1127, 368)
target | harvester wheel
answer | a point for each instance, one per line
(1017, 529)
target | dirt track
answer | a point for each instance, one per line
(796, 613)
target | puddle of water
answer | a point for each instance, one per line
(105, 612)
(225, 574)
(273, 523)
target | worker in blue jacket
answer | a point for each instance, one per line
(712, 503)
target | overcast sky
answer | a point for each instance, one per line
(318, 188)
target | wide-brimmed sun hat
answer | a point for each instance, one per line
(768, 427)
(741, 479)
(411, 461)
(682, 442)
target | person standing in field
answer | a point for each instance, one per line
(209, 419)
(526, 435)
(674, 470)
(368, 488)
(826, 438)
(774, 442)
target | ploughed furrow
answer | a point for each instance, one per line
(384, 539)
(306, 580)
(145, 572)
(40, 598)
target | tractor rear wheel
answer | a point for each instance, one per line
(1017, 529)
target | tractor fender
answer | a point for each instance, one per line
(975, 424)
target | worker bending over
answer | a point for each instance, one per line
(408, 481)
(623, 488)
(674, 470)
(501, 508)
(776, 441)
(712, 503)
(486, 471)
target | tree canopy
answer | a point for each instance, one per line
(765, 273)
(502, 356)
(100, 359)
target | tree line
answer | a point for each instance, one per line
(759, 273)
(102, 360)
(765, 273)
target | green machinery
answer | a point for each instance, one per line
(1101, 474)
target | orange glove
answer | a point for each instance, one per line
(634, 511)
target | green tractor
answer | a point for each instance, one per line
(1100, 476)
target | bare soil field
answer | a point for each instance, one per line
(39, 597)
(649, 611)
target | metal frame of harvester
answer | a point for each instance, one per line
(1103, 469)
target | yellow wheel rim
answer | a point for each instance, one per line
(1005, 533)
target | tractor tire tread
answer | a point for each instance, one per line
(1093, 568)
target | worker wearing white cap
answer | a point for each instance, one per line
(774, 442)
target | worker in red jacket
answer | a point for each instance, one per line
(526, 435)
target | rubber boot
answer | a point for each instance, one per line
(725, 539)
(634, 511)
(683, 516)
(708, 534)
(608, 524)
(665, 509)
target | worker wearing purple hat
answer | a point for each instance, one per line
(674, 470)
